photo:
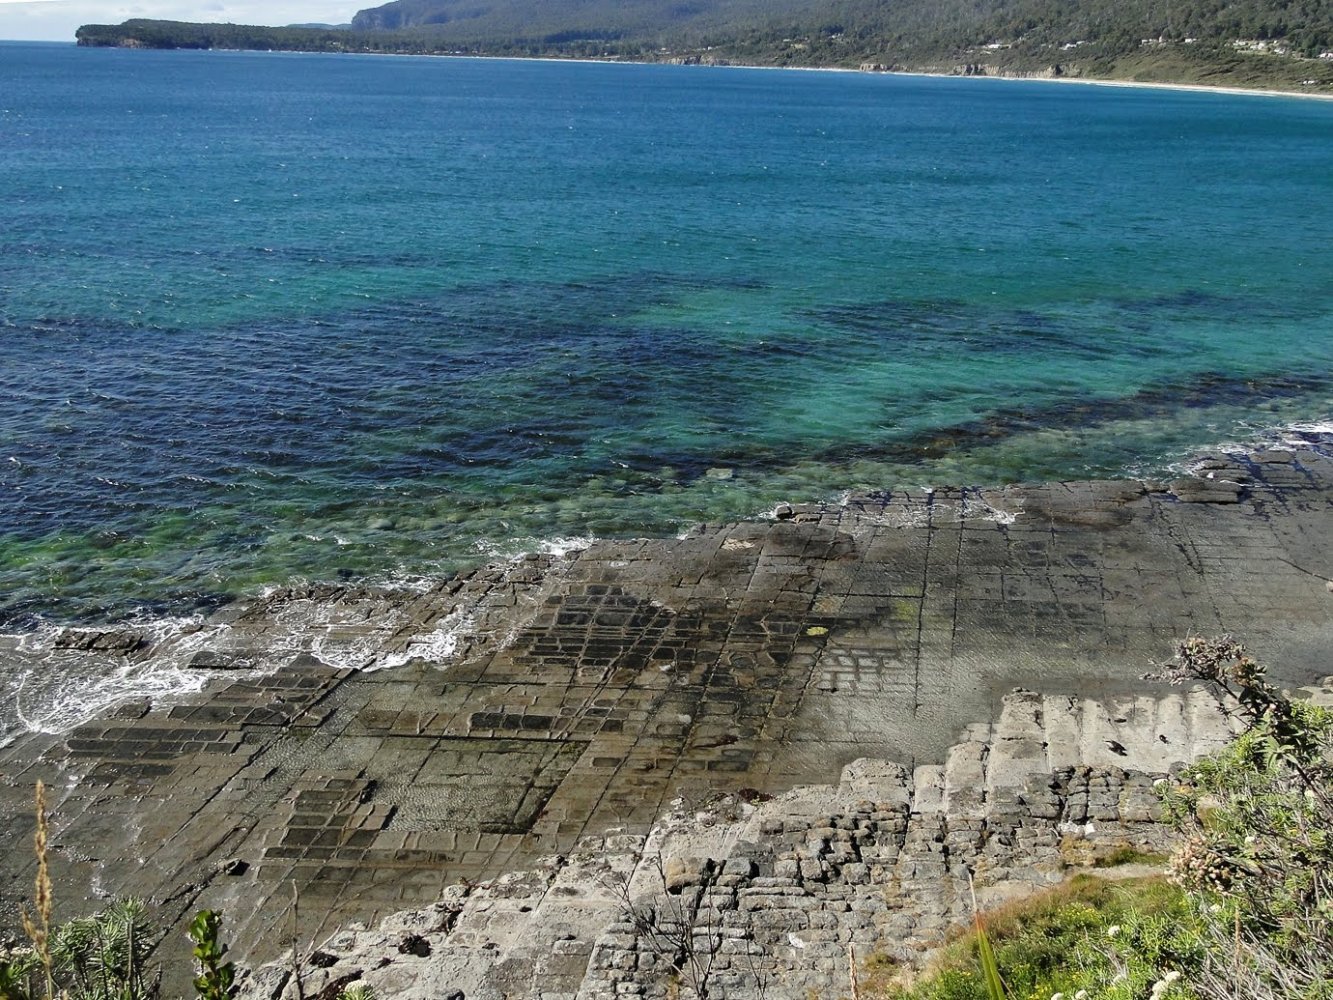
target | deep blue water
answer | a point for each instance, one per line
(277, 316)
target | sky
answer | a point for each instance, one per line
(56, 20)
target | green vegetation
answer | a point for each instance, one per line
(1271, 43)
(1128, 855)
(216, 977)
(102, 957)
(1112, 939)
(1258, 851)
(142, 33)
(1247, 907)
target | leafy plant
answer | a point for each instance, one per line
(1248, 909)
(17, 972)
(104, 957)
(990, 968)
(217, 977)
(100, 957)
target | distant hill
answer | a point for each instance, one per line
(1258, 43)
(868, 27)
(557, 21)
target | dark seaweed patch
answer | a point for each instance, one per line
(1215, 307)
(1205, 389)
(934, 325)
(1187, 300)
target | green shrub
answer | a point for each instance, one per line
(1257, 823)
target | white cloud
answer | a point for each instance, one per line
(56, 20)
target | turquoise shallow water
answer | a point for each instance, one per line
(267, 317)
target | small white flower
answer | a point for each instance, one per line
(1081, 995)
(1160, 987)
(1113, 930)
(1057, 996)
(1215, 908)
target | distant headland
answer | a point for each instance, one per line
(1251, 44)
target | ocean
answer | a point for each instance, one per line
(272, 317)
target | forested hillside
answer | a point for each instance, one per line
(1284, 43)
(938, 27)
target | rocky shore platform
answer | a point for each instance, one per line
(402, 750)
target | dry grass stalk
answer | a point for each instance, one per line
(39, 930)
(990, 968)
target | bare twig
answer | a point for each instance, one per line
(297, 959)
(668, 925)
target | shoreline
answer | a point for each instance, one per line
(82, 648)
(1004, 78)
(1198, 88)
(896, 861)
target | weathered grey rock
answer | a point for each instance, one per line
(122, 641)
(682, 872)
(1273, 457)
(1192, 490)
(221, 659)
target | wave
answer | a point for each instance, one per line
(558, 547)
(437, 646)
(54, 678)
(1303, 435)
(51, 685)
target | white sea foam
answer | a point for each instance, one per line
(334, 634)
(48, 689)
(510, 549)
(40, 707)
(1313, 434)
(437, 646)
(893, 515)
(417, 583)
(977, 508)
(562, 548)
